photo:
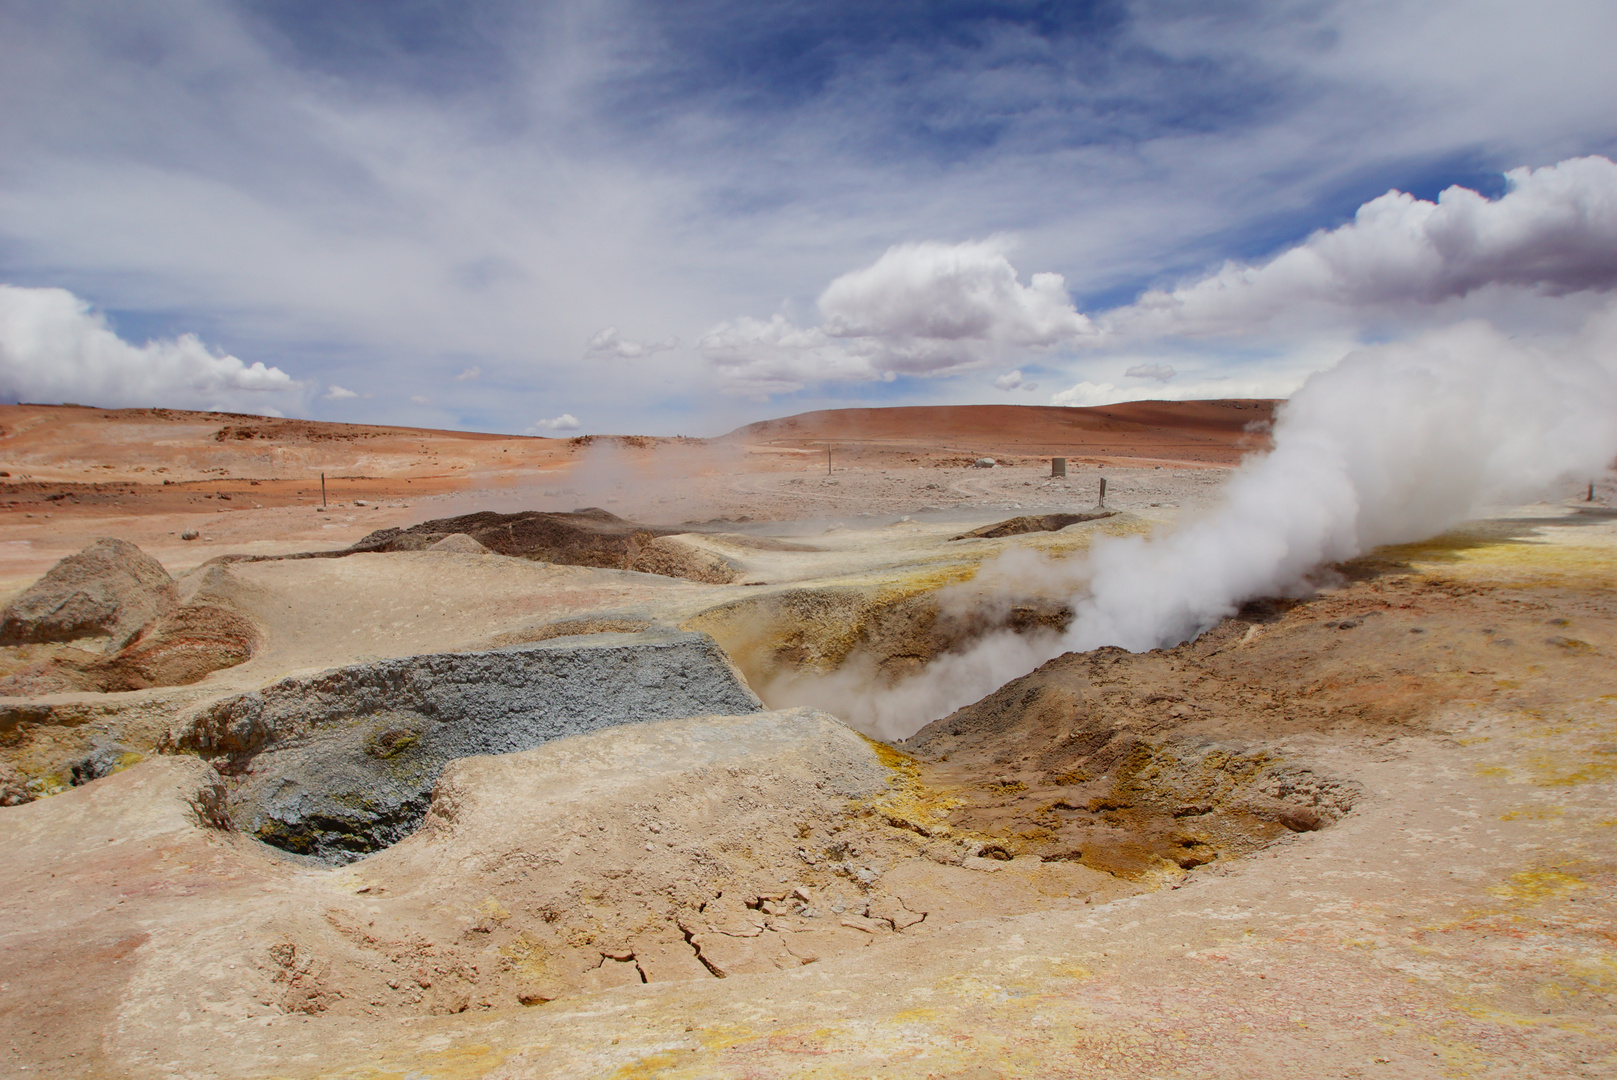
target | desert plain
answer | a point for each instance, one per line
(385, 761)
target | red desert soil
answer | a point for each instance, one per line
(1213, 432)
(70, 474)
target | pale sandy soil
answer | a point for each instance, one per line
(1456, 922)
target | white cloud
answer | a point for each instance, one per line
(1009, 381)
(305, 197)
(609, 343)
(419, 400)
(921, 309)
(950, 292)
(1264, 385)
(338, 393)
(778, 357)
(564, 422)
(54, 347)
(1029, 387)
(1159, 372)
(471, 374)
(1553, 232)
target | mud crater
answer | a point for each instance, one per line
(343, 763)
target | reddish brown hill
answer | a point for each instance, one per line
(1194, 431)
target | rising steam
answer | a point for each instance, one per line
(1392, 444)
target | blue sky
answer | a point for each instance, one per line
(434, 208)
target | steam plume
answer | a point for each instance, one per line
(1392, 444)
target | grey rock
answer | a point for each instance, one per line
(342, 763)
(111, 588)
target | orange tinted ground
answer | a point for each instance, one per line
(250, 484)
(1206, 432)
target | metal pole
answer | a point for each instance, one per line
(323, 488)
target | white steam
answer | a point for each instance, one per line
(1390, 445)
(53, 347)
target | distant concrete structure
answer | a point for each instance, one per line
(1058, 467)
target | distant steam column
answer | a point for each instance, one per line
(1058, 467)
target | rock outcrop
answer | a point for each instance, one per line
(343, 763)
(1031, 523)
(587, 537)
(110, 589)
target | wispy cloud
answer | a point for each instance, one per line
(609, 343)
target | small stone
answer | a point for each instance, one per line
(1302, 819)
(189, 534)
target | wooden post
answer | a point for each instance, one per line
(1102, 492)
(1058, 467)
(323, 489)
(828, 459)
(1591, 496)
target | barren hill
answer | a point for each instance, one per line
(1188, 431)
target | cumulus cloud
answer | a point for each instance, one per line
(921, 309)
(564, 422)
(1009, 381)
(471, 374)
(419, 400)
(1553, 231)
(1159, 372)
(338, 393)
(950, 292)
(55, 347)
(609, 344)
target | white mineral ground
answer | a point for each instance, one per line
(1456, 922)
